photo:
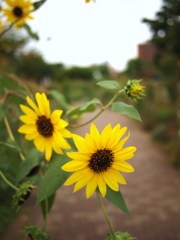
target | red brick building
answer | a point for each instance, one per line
(146, 52)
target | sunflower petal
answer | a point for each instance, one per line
(127, 150)
(61, 141)
(104, 139)
(56, 147)
(80, 143)
(11, 3)
(28, 111)
(102, 185)
(112, 184)
(40, 142)
(91, 186)
(48, 150)
(66, 133)
(43, 104)
(125, 153)
(124, 157)
(73, 178)
(31, 136)
(32, 105)
(83, 181)
(121, 143)
(123, 167)
(116, 135)
(26, 119)
(95, 135)
(55, 116)
(78, 156)
(91, 146)
(63, 123)
(27, 128)
(74, 166)
(116, 176)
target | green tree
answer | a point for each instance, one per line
(32, 66)
(135, 68)
(11, 46)
(165, 27)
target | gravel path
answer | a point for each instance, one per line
(152, 195)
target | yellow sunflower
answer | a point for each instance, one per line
(99, 160)
(18, 11)
(46, 129)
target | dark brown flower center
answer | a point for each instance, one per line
(18, 12)
(101, 160)
(44, 126)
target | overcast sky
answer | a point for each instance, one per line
(75, 33)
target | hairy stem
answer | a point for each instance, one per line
(11, 136)
(105, 214)
(7, 181)
(100, 111)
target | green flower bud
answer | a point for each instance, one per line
(120, 236)
(22, 194)
(134, 89)
(35, 233)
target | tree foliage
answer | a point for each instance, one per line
(135, 68)
(165, 27)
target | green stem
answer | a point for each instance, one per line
(105, 214)
(101, 110)
(113, 99)
(7, 181)
(7, 29)
(45, 203)
(11, 136)
(46, 213)
(12, 25)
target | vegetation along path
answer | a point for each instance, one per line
(152, 195)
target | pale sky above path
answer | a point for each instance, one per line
(74, 33)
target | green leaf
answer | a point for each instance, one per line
(87, 107)
(26, 166)
(30, 32)
(117, 199)
(129, 110)
(109, 84)
(38, 4)
(60, 98)
(53, 179)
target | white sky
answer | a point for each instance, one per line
(74, 33)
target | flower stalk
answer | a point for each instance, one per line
(105, 214)
(101, 110)
(11, 136)
(46, 213)
(7, 181)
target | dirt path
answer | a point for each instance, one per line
(152, 194)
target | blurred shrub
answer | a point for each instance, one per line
(165, 114)
(79, 73)
(160, 116)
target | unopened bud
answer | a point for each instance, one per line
(134, 89)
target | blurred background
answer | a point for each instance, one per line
(81, 44)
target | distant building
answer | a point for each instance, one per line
(146, 52)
